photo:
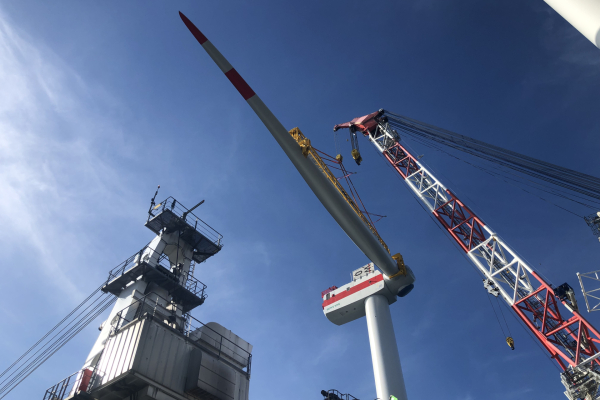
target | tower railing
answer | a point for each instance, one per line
(153, 305)
(146, 254)
(333, 394)
(75, 386)
(220, 344)
(189, 217)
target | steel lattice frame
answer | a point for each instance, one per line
(591, 294)
(566, 335)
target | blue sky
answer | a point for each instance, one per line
(101, 101)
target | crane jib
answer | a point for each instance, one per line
(572, 340)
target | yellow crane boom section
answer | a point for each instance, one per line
(309, 152)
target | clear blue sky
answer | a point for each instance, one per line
(101, 101)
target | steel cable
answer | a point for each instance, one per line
(52, 330)
(57, 346)
(67, 332)
(518, 178)
(49, 345)
(563, 177)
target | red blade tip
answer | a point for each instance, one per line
(195, 31)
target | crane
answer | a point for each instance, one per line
(569, 338)
(373, 296)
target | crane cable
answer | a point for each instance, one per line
(517, 178)
(329, 160)
(67, 328)
(51, 330)
(571, 180)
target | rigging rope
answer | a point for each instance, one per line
(518, 178)
(574, 181)
(351, 188)
(51, 330)
(69, 327)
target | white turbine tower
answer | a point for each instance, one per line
(370, 294)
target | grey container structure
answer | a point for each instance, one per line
(148, 357)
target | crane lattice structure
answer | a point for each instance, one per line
(591, 295)
(569, 338)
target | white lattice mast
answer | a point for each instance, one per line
(591, 295)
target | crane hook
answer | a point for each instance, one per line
(354, 140)
(510, 341)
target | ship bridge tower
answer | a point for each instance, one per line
(150, 347)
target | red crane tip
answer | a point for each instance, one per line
(195, 31)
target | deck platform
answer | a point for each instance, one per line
(190, 296)
(205, 244)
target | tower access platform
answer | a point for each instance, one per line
(150, 347)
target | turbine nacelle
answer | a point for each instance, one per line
(347, 303)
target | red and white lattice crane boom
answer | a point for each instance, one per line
(571, 340)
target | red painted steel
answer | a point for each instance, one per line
(402, 160)
(86, 377)
(546, 323)
(467, 230)
(566, 340)
(464, 226)
(460, 222)
(353, 289)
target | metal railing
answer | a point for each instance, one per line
(145, 255)
(149, 305)
(182, 212)
(333, 394)
(77, 383)
(156, 306)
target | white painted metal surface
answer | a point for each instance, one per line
(347, 303)
(584, 15)
(592, 293)
(493, 257)
(128, 296)
(327, 194)
(148, 352)
(370, 294)
(351, 303)
(134, 291)
(384, 350)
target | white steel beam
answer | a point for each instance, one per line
(593, 277)
(384, 349)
